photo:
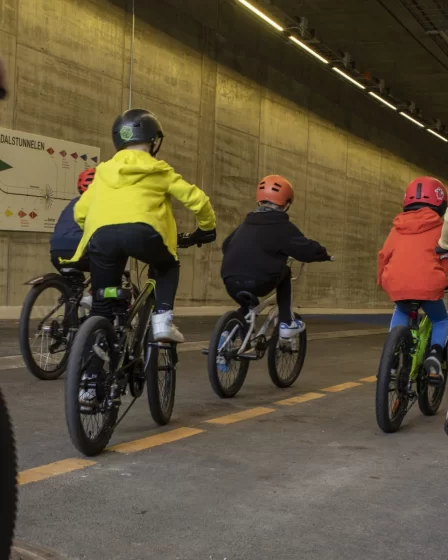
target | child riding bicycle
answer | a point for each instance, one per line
(67, 234)
(409, 269)
(128, 213)
(256, 253)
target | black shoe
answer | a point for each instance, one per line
(433, 366)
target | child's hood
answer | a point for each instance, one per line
(128, 167)
(419, 221)
(272, 217)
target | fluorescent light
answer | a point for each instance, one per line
(308, 50)
(438, 135)
(412, 120)
(347, 77)
(261, 14)
(382, 100)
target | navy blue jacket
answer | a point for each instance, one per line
(67, 234)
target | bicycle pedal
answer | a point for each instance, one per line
(101, 353)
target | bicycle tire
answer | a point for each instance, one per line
(213, 352)
(398, 337)
(24, 329)
(427, 406)
(8, 480)
(296, 370)
(161, 412)
(73, 413)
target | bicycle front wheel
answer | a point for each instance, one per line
(225, 372)
(393, 378)
(44, 329)
(90, 411)
(286, 358)
(8, 484)
(161, 381)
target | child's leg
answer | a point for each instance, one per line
(400, 317)
(438, 316)
(284, 297)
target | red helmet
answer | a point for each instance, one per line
(275, 189)
(85, 179)
(426, 192)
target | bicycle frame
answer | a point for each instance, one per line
(251, 317)
(421, 335)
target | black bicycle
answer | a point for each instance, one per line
(52, 312)
(8, 481)
(123, 356)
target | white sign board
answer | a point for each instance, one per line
(38, 177)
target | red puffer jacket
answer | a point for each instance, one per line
(408, 267)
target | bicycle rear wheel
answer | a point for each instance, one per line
(161, 381)
(286, 358)
(90, 377)
(8, 484)
(44, 329)
(225, 372)
(393, 377)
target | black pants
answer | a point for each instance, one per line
(83, 264)
(262, 289)
(109, 250)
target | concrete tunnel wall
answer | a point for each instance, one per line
(236, 103)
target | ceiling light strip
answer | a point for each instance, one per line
(379, 98)
(349, 78)
(434, 133)
(260, 14)
(308, 50)
(406, 116)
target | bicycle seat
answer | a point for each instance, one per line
(117, 293)
(246, 299)
(72, 273)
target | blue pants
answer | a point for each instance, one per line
(436, 312)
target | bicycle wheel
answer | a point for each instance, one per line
(393, 377)
(44, 329)
(161, 382)
(430, 397)
(91, 427)
(8, 483)
(226, 373)
(286, 358)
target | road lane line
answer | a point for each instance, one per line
(341, 387)
(300, 399)
(370, 379)
(53, 469)
(154, 441)
(239, 416)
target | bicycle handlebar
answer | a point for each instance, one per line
(186, 240)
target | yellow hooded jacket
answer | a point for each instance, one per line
(134, 187)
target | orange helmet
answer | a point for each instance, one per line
(85, 179)
(275, 189)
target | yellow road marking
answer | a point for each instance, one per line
(300, 399)
(154, 441)
(370, 379)
(239, 416)
(341, 387)
(53, 469)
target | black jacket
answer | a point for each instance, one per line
(259, 248)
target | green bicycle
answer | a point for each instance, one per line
(402, 379)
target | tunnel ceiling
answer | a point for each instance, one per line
(405, 42)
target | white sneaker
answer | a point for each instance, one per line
(163, 328)
(292, 330)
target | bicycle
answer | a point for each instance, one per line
(8, 481)
(130, 359)
(402, 373)
(234, 344)
(55, 322)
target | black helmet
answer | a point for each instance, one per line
(137, 126)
